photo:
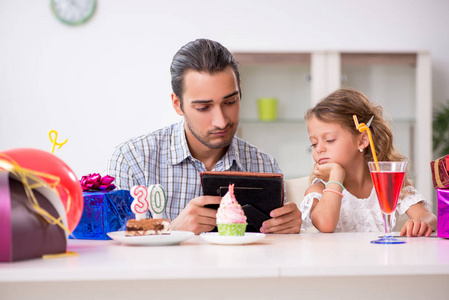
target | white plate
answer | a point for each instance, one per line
(248, 238)
(175, 237)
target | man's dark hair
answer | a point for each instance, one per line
(201, 55)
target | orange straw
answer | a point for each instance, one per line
(362, 127)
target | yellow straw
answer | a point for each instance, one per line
(55, 143)
(362, 127)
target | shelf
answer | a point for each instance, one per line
(378, 58)
(399, 81)
(250, 58)
(402, 120)
(278, 121)
(302, 121)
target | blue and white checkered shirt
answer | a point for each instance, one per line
(163, 157)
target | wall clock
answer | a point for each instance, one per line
(73, 12)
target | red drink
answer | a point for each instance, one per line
(388, 187)
(387, 178)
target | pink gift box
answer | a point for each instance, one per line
(443, 213)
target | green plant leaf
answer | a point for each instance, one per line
(440, 126)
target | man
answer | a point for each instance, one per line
(206, 92)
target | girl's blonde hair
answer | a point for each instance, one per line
(340, 106)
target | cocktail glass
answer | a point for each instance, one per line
(387, 181)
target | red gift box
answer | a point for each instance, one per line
(440, 172)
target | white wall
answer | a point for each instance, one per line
(108, 80)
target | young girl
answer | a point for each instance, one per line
(341, 196)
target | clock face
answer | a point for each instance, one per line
(73, 12)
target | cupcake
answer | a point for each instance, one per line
(231, 220)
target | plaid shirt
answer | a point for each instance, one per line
(163, 157)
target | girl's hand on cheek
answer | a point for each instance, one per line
(329, 170)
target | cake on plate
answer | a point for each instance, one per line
(147, 227)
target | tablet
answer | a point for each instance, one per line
(257, 193)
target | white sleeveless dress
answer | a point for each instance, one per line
(363, 215)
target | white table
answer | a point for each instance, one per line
(304, 266)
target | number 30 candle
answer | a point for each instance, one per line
(140, 204)
(153, 199)
(158, 200)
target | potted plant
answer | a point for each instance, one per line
(440, 127)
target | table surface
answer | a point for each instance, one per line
(276, 256)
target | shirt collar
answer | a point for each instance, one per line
(179, 150)
(232, 155)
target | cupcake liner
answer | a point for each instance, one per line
(234, 229)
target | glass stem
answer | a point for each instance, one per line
(387, 224)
